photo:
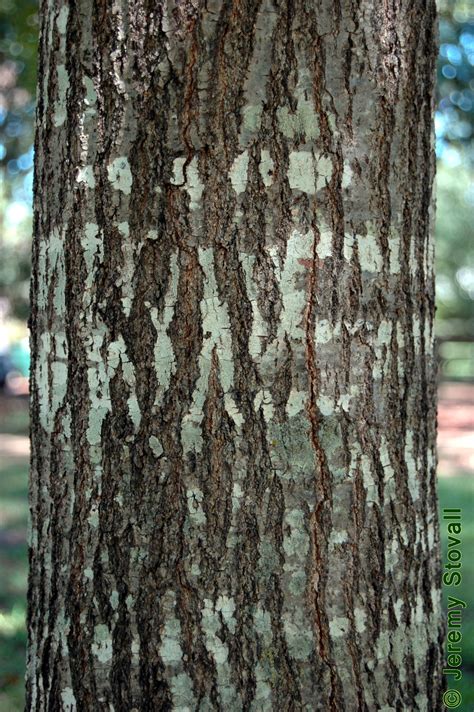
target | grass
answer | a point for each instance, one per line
(453, 492)
(457, 493)
(14, 415)
(13, 564)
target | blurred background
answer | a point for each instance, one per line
(454, 320)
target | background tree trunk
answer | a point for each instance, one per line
(233, 402)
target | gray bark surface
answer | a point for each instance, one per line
(233, 498)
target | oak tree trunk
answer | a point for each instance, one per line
(233, 500)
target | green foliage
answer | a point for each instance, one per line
(18, 49)
(455, 105)
(455, 249)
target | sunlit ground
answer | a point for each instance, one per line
(456, 418)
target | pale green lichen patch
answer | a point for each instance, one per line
(238, 172)
(259, 326)
(421, 701)
(348, 246)
(388, 471)
(368, 479)
(298, 250)
(164, 358)
(98, 381)
(211, 624)
(263, 400)
(324, 246)
(391, 553)
(178, 173)
(120, 175)
(102, 645)
(370, 256)
(339, 627)
(344, 400)
(251, 119)
(346, 175)
(296, 544)
(116, 351)
(90, 98)
(266, 167)
(182, 691)
(298, 634)
(303, 122)
(234, 412)
(93, 518)
(216, 327)
(92, 246)
(360, 618)
(291, 277)
(269, 558)
(86, 175)
(383, 645)
(263, 700)
(237, 494)
(263, 624)
(124, 228)
(170, 648)
(194, 186)
(155, 445)
(114, 600)
(52, 380)
(382, 342)
(338, 537)
(398, 608)
(412, 467)
(323, 331)
(226, 606)
(394, 247)
(68, 700)
(296, 402)
(301, 172)
(324, 171)
(60, 112)
(196, 512)
(298, 582)
(134, 408)
(61, 20)
(417, 338)
(325, 404)
(125, 277)
(195, 570)
(59, 384)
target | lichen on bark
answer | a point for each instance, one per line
(233, 500)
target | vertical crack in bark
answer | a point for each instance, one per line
(320, 521)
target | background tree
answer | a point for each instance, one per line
(455, 182)
(18, 47)
(233, 423)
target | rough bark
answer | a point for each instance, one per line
(233, 500)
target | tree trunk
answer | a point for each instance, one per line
(233, 494)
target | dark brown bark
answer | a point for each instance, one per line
(233, 493)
